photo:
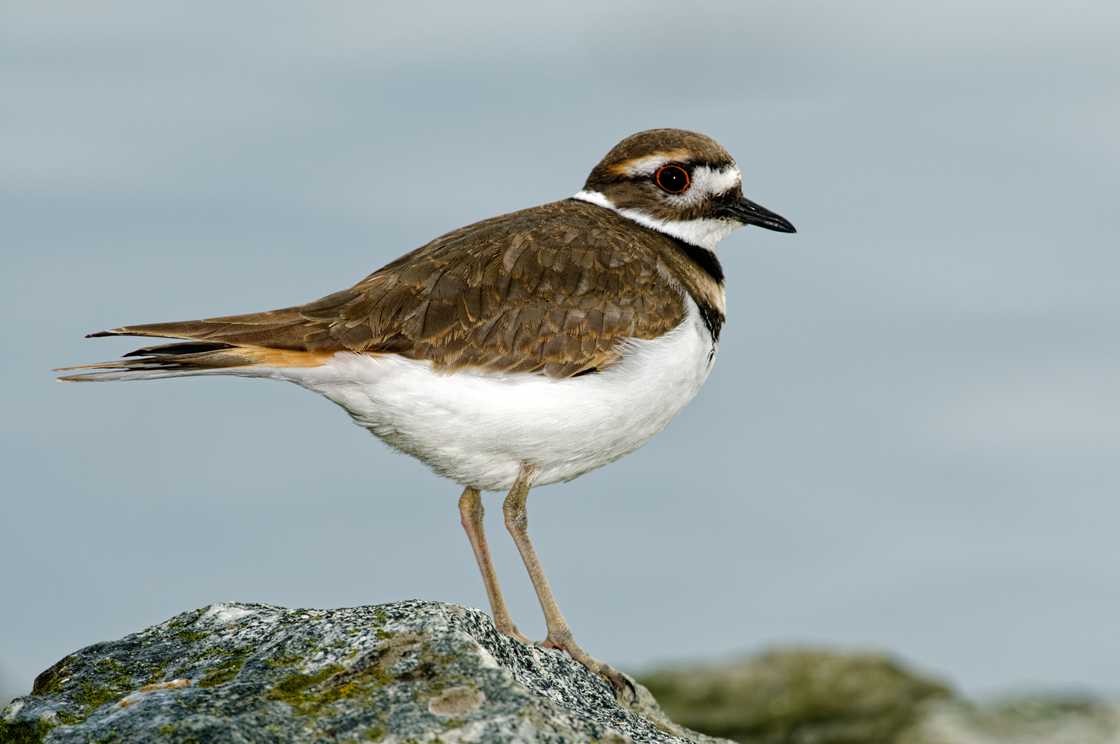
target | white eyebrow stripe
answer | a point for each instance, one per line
(647, 165)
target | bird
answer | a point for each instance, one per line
(519, 351)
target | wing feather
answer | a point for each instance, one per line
(552, 290)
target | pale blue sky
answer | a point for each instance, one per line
(910, 440)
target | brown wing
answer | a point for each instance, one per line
(552, 290)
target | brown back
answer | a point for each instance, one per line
(553, 290)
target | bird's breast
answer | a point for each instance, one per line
(477, 428)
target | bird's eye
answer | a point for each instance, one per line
(672, 179)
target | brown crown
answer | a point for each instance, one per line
(678, 144)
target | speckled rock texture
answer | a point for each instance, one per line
(403, 672)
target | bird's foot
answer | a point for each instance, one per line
(622, 685)
(509, 629)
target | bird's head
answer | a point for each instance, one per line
(678, 182)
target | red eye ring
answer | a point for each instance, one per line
(672, 179)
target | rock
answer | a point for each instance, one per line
(427, 672)
(798, 696)
(408, 671)
(1039, 719)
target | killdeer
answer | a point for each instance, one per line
(522, 350)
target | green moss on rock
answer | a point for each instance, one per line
(24, 732)
(50, 681)
(798, 695)
(191, 636)
(308, 694)
(294, 690)
(374, 733)
(223, 672)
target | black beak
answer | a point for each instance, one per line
(749, 213)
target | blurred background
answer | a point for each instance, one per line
(911, 438)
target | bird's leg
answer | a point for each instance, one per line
(559, 632)
(470, 513)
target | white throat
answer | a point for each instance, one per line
(704, 232)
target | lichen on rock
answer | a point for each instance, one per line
(408, 671)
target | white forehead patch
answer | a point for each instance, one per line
(713, 181)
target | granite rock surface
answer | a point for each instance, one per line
(403, 672)
(429, 672)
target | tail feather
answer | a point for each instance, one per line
(230, 344)
(189, 358)
(282, 329)
(186, 347)
(168, 360)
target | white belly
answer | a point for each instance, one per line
(477, 428)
